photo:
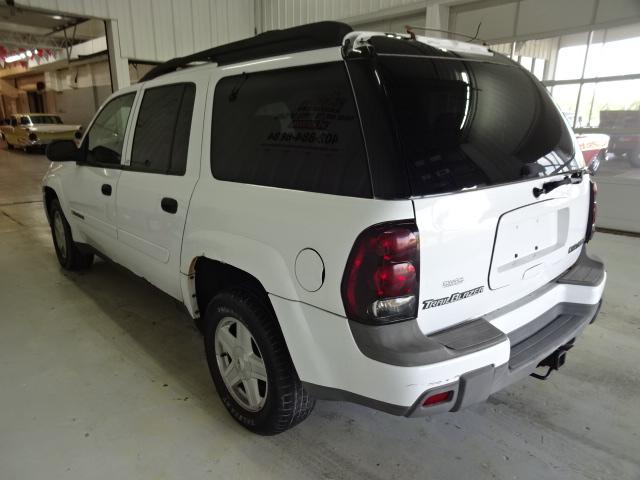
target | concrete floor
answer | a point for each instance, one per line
(102, 376)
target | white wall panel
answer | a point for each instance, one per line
(550, 15)
(496, 21)
(163, 35)
(156, 30)
(200, 18)
(182, 24)
(143, 39)
(609, 10)
(288, 13)
(120, 10)
(97, 8)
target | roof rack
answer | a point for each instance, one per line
(267, 44)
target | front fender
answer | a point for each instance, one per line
(53, 179)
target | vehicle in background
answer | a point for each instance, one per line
(31, 130)
(626, 144)
(594, 148)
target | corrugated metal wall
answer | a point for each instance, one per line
(287, 13)
(504, 20)
(156, 30)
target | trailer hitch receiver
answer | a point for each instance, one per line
(554, 361)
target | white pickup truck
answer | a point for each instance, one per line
(386, 219)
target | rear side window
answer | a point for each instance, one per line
(293, 128)
(161, 137)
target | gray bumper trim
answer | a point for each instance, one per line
(475, 386)
(587, 271)
(405, 345)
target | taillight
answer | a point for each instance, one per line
(381, 280)
(593, 211)
(442, 397)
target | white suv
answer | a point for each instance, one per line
(385, 219)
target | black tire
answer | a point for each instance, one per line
(9, 146)
(286, 402)
(68, 253)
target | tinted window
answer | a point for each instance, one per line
(14, 122)
(105, 138)
(161, 137)
(294, 128)
(466, 124)
(25, 121)
(45, 119)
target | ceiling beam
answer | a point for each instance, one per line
(28, 40)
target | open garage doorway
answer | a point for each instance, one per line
(52, 63)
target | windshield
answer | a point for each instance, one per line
(464, 124)
(45, 119)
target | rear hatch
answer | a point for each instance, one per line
(478, 136)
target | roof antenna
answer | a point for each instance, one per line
(236, 89)
(409, 30)
(475, 37)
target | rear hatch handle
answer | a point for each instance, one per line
(549, 186)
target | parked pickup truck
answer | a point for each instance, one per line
(395, 221)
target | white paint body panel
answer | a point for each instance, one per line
(457, 236)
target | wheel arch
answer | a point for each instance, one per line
(207, 277)
(49, 194)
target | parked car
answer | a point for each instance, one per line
(393, 221)
(624, 144)
(594, 148)
(31, 130)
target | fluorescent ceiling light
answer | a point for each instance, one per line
(20, 56)
(56, 17)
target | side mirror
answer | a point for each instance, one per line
(78, 134)
(62, 151)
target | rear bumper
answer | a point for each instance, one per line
(394, 368)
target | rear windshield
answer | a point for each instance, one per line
(464, 124)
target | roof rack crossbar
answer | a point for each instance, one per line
(267, 44)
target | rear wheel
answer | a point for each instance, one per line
(9, 146)
(250, 365)
(68, 253)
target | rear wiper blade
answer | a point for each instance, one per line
(547, 187)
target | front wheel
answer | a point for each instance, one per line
(68, 253)
(250, 364)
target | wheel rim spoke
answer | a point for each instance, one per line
(258, 369)
(58, 233)
(252, 391)
(243, 337)
(232, 375)
(240, 364)
(227, 340)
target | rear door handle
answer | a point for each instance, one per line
(106, 189)
(169, 205)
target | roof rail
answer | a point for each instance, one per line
(267, 44)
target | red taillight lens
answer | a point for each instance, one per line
(438, 398)
(593, 211)
(380, 282)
